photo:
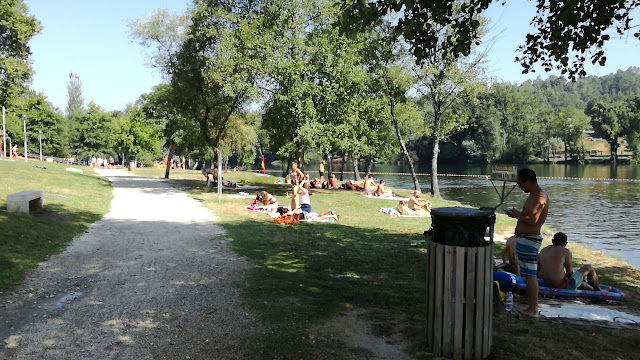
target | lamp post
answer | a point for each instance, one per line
(4, 136)
(40, 139)
(24, 122)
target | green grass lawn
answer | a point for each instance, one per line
(76, 202)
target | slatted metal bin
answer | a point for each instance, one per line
(459, 283)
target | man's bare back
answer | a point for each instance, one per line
(552, 262)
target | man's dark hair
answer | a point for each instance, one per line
(559, 238)
(527, 175)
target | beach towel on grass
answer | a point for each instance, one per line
(241, 195)
(394, 212)
(316, 220)
(396, 198)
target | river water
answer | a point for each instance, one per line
(595, 205)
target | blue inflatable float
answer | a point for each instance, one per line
(510, 282)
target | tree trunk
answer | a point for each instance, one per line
(416, 184)
(369, 165)
(329, 166)
(168, 168)
(356, 171)
(435, 189)
(614, 153)
(344, 160)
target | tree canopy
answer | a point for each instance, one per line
(563, 28)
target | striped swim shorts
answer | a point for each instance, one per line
(527, 247)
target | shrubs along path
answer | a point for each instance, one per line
(153, 279)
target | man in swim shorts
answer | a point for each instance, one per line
(527, 239)
(555, 268)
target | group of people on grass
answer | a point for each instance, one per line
(300, 197)
(554, 263)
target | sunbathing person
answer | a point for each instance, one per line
(403, 209)
(294, 195)
(420, 205)
(353, 185)
(370, 186)
(333, 182)
(381, 191)
(555, 268)
(268, 202)
(314, 216)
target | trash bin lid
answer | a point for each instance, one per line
(460, 212)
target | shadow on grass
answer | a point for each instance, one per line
(29, 239)
(309, 272)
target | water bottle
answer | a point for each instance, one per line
(509, 303)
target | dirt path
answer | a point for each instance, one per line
(154, 279)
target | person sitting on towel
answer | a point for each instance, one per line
(419, 204)
(555, 268)
(268, 202)
(370, 186)
(382, 191)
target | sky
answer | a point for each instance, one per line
(91, 39)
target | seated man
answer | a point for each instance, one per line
(370, 186)
(333, 182)
(416, 203)
(555, 268)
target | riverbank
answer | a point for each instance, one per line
(355, 289)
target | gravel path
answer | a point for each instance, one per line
(154, 279)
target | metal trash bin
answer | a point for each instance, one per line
(132, 165)
(459, 283)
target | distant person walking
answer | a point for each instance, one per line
(14, 151)
(527, 239)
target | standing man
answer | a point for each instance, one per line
(527, 239)
(321, 171)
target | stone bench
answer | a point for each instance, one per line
(25, 201)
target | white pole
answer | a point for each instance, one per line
(40, 139)
(219, 177)
(4, 135)
(24, 122)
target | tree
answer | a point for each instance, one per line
(214, 73)
(91, 132)
(608, 121)
(569, 125)
(178, 132)
(445, 79)
(562, 27)
(74, 94)
(132, 134)
(163, 31)
(17, 27)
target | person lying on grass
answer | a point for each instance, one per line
(555, 268)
